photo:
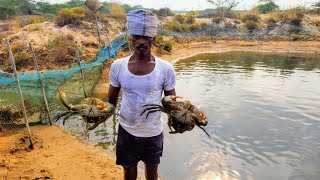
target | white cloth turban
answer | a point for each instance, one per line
(142, 22)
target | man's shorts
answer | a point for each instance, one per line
(131, 149)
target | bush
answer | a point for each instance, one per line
(179, 18)
(250, 17)
(117, 11)
(70, 16)
(190, 19)
(217, 19)
(34, 27)
(23, 59)
(173, 26)
(163, 12)
(195, 26)
(251, 25)
(228, 24)
(271, 22)
(184, 27)
(167, 46)
(296, 37)
(37, 19)
(267, 7)
(203, 24)
(291, 16)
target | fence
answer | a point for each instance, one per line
(40, 88)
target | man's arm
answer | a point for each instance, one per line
(113, 94)
(171, 92)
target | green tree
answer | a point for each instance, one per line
(75, 3)
(163, 12)
(13, 7)
(267, 6)
(317, 5)
(45, 7)
(224, 6)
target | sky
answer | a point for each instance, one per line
(202, 4)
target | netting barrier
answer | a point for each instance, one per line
(11, 113)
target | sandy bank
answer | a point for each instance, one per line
(56, 155)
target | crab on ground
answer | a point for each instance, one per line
(183, 116)
(93, 110)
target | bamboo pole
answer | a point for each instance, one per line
(99, 38)
(41, 84)
(81, 72)
(19, 90)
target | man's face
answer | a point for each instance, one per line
(142, 44)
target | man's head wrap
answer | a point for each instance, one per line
(142, 22)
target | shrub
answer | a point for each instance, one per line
(167, 46)
(37, 19)
(62, 50)
(203, 24)
(49, 17)
(34, 27)
(190, 19)
(158, 40)
(179, 18)
(250, 17)
(16, 47)
(271, 22)
(267, 7)
(117, 11)
(217, 19)
(184, 27)
(163, 12)
(251, 25)
(296, 37)
(195, 26)
(228, 24)
(291, 16)
(23, 58)
(173, 26)
(70, 16)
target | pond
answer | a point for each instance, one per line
(263, 112)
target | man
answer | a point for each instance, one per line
(142, 78)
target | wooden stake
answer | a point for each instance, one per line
(41, 84)
(82, 75)
(99, 38)
(19, 90)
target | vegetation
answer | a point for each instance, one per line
(267, 6)
(224, 7)
(70, 16)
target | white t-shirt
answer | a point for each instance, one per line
(139, 90)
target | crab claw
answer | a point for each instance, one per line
(203, 119)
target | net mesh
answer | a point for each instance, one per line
(11, 114)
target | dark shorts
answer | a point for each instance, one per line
(132, 149)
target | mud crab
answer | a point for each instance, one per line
(183, 116)
(93, 110)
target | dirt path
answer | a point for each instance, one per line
(56, 155)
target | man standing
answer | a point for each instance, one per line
(142, 78)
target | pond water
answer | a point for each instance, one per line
(263, 112)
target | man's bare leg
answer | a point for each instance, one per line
(151, 172)
(130, 173)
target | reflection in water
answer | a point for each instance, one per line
(263, 113)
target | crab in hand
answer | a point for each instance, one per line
(93, 110)
(183, 116)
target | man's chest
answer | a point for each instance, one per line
(145, 84)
